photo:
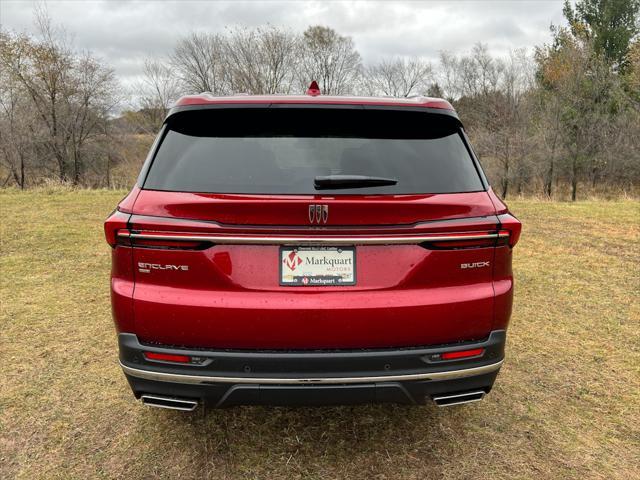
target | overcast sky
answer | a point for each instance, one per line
(123, 33)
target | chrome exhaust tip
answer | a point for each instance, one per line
(171, 403)
(458, 398)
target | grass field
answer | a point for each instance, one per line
(566, 403)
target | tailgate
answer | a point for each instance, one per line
(207, 283)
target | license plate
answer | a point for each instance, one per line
(317, 266)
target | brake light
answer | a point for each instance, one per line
(504, 237)
(167, 244)
(476, 352)
(167, 357)
(471, 240)
(129, 238)
(114, 224)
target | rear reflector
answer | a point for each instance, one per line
(167, 357)
(462, 354)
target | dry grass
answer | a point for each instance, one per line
(566, 404)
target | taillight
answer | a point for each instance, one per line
(129, 238)
(469, 240)
(113, 225)
(512, 225)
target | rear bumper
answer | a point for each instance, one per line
(225, 378)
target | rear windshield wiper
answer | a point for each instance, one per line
(351, 181)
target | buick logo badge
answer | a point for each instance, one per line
(318, 213)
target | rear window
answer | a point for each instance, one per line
(282, 151)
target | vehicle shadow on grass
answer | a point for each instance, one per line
(330, 439)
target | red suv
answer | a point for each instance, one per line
(311, 250)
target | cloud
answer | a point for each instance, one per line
(123, 33)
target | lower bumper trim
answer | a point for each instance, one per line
(206, 379)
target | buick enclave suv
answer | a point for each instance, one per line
(311, 250)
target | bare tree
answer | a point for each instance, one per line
(158, 90)
(510, 109)
(198, 60)
(261, 61)
(447, 75)
(68, 95)
(14, 129)
(93, 97)
(477, 73)
(398, 77)
(546, 123)
(42, 70)
(492, 93)
(330, 59)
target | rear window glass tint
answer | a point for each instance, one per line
(281, 151)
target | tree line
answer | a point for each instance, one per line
(558, 121)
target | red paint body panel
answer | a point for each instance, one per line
(499, 205)
(313, 320)
(503, 287)
(126, 204)
(122, 286)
